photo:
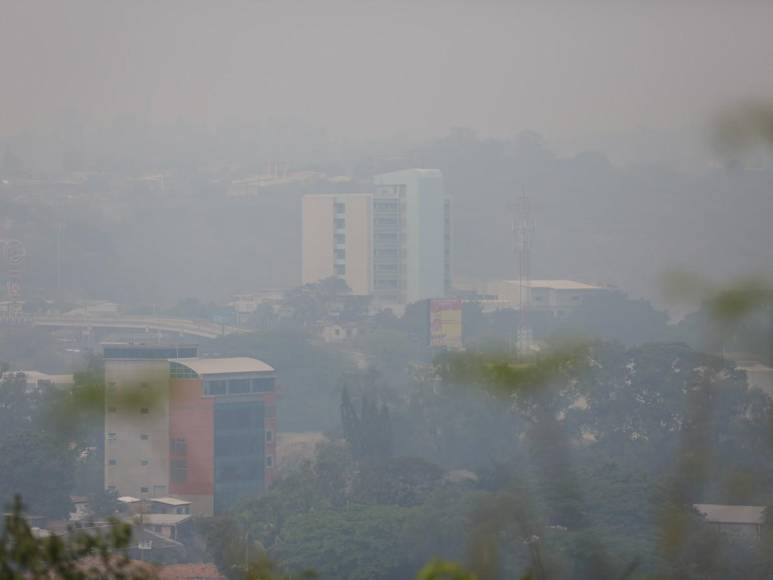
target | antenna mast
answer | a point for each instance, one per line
(523, 231)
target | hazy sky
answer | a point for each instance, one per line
(363, 68)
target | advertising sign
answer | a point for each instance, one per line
(445, 323)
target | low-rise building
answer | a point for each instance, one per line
(743, 522)
(170, 505)
(558, 297)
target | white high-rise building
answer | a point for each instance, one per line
(411, 236)
(394, 243)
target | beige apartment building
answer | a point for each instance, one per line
(337, 238)
(137, 418)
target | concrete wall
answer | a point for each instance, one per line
(319, 244)
(359, 250)
(318, 232)
(133, 386)
(191, 420)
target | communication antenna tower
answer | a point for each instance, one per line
(523, 232)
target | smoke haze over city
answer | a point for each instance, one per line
(381, 290)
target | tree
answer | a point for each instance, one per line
(369, 433)
(35, 456)
(357, 542)
(40, 465)
(75, 556)
(403, 481)
(615, 316)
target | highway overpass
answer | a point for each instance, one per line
(202, 329)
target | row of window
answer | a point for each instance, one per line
(382, 205)
(386, 284)
(215, 387)
(178, 446)
(158, 490)
(387, 252)
(147, 353)
(179, 471)
(115, 462)
(114, 436)
(393, 189)
(143, 410)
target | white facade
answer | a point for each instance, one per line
(394, 244)
(423, 235)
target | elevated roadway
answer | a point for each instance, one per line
(202, 329)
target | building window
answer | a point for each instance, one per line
(214, 388)
(340, 223)
(238, 386)
(112, 462)
(179, 470)
(179, 447)
(180, 371)
(340, 207)
(143, 490)
(269, 436)
(111, 409)
(340, 254)
(269, 461)
(112, 436)
(110, 488)
(144, 436)
(144, 462)
(264, 385)
(340, 238)
(144, 410)
(340, 270)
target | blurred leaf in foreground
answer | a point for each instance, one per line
(498, 372)
(745, 126)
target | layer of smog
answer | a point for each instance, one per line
(376, 291)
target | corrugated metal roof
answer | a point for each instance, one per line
(170, 501)
(732, 514)
(220, 366)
